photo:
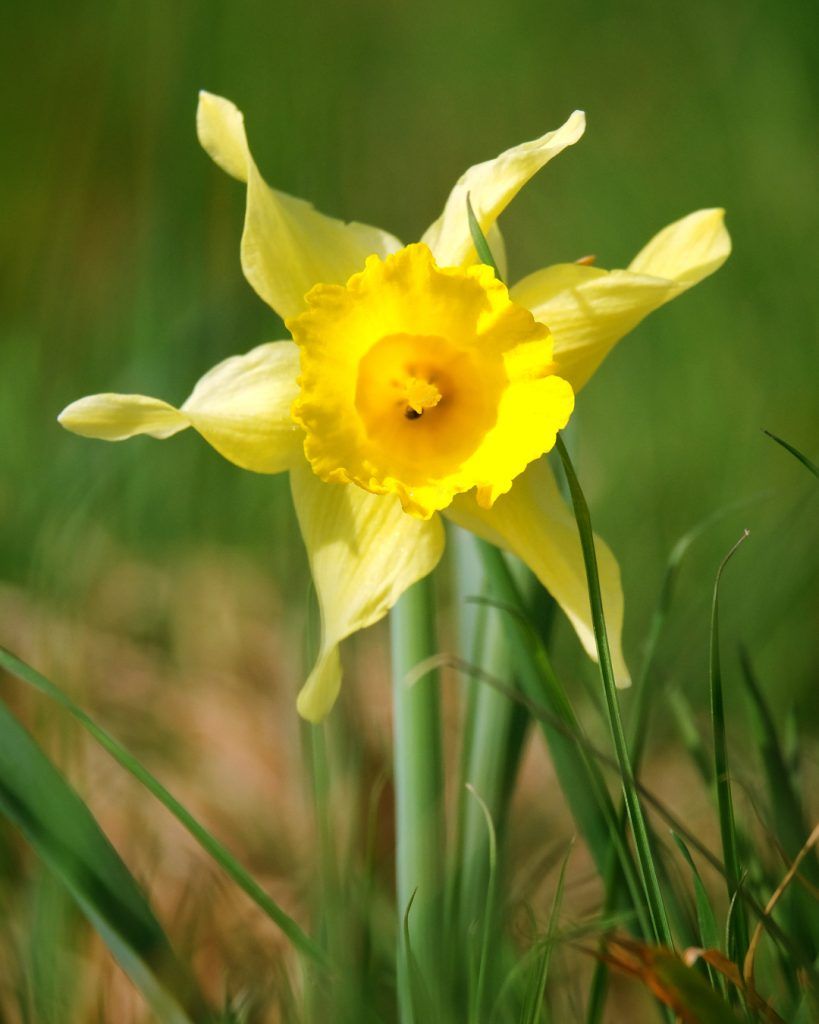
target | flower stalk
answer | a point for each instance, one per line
(418, 780)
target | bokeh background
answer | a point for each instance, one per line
(168, 587)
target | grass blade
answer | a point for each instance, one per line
(477, 996)
(789, 821)
(52, 973)
(730, 848)
(63, 832)
(708, 937)
(645, 859)
(642, 691)
(706, 921)
(479, 239)
(534, 1000)
(748, 967)
(580, 779)
(208, 842)
(789, 816)
(806, 462)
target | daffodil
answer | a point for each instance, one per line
(415, 385)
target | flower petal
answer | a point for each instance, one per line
(535, 523)
(287, 245)
(687, 250)
(589, 309)
(491, 186)
(241, 407)
(112, 417)
(364, 553)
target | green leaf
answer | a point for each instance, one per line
(706, 921)
(50, 963)
(494, 730)
(476, 994)
(580, 779)
(806, 462)
(60, 828)
(479, 239)
(789, 816)
(730, 847)
(643, 692)
(208, 842)
(537, 990)
(708, 936)
(642, 845)
(789, 822)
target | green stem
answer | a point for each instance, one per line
(498, 728)
(487, 772)
(418, 779)
(471, 629)
(645, 860)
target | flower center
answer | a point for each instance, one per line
(423, 403)
(421, 395)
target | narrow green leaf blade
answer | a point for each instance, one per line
(789, 822)
(479, 239)
(60, 828)
(706, 921)
(534, 1001)
(789, 816)
(25, 673)
(642, 844)
(580, 779)
(806, 462)
(730, 846)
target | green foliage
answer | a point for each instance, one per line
(60, 828)
(208, 842)
(800, 456)
(738, 927)
(645, 857)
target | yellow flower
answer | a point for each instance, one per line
(416, 383)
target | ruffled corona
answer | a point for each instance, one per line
(425, 382)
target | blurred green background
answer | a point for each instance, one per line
(120, 266)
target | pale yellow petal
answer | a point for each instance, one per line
(687, 250)
(287, 245)
(491, 186)
(241, 407)
(220, 126)
(588, 309)
(364, 552)
(112, 417)
(535, 523)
